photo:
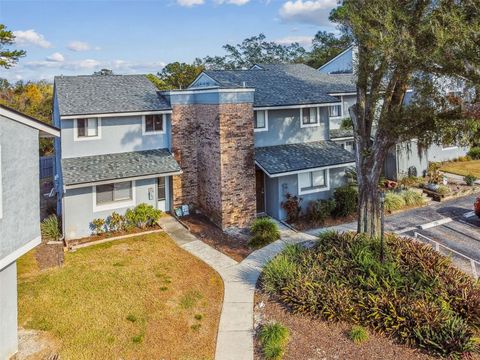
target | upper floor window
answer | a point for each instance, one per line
(310, 116)
(335, 111)
(87, 128)
(260, 120)
(154, 124)
(314, 181)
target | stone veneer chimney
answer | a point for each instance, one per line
(213, 141)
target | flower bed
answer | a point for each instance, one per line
(416, 296)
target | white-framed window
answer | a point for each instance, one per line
(260, 120)
(113, 195)
(154, 124)
(335, 111)
(87, 129)
(309, 116)
(313, 181)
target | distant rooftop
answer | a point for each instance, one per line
(103, 94)
(285, 84)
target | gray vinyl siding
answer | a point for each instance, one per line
(284, 128)
(20, 222)
(79, 207)
(407, 155)
(347, 102)
(277, 188)
(118, 134)
(342, 63)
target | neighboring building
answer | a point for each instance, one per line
(406, 158)
(19, 210)
(233, 144)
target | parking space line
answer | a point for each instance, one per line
(435, 223)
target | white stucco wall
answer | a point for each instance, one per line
(8, 311)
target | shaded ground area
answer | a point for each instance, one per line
(315, 339)
(230, 244)
(141, 298)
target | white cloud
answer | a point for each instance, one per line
(56, 57)
(307, 11)
(31, 37)
(304, 40)
(190, 3)
(79, 46)
(232, 2)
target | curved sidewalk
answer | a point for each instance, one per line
(235, 332)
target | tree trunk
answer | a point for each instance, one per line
(369, 157)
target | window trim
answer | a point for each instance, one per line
(341, 111)
(255, 120)
(87, 138)
(115, 204)
(144, 125)
(318, 123)
(318, 189)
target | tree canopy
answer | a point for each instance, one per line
(410, 44)
(8, 57)
(176, 75)
(325, 46)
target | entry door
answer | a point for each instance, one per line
(162, 193)
(260, 183)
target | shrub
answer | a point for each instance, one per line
(358, 334)
(274, 338)
(264, 231)
(346, 200)
(115, 222)
(142, 215)
(433, 172)
(410, 181)
(346, 124)
(50, 229)
(474, 153)
(98, 226)
(292, 207)
(320, 210)
(394, 201)
(416, 296)
(470, 179)
(443, 190)
(413, 198)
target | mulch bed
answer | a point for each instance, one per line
(108, 235)
(231, 245)
(304, 224)
(317, 339)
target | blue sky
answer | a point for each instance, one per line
(78, 37)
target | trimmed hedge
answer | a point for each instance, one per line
(417, 296)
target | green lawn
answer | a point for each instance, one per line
(463, 167)
(141, 298)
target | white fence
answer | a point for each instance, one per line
(46, 164)
(464, 262)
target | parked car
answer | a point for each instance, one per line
(476, 207)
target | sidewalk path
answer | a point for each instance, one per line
(235, 332)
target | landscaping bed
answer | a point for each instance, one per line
(230, 244)
(416, 297)
(316, 339)
(139, 298)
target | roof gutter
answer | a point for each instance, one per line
(335, 166)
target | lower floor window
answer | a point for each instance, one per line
(109, 193)
(312, 181)
(161, 189)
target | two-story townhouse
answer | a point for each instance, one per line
(114, 150)
(404, 158)
(233, 144)
(19, 210)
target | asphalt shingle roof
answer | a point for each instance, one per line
(88, 169)
(99, 94)
(289, 84)
(341, 133)
(294, 157)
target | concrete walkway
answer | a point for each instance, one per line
(235, 332)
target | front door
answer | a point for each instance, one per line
(260, 182)
(162, 193)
